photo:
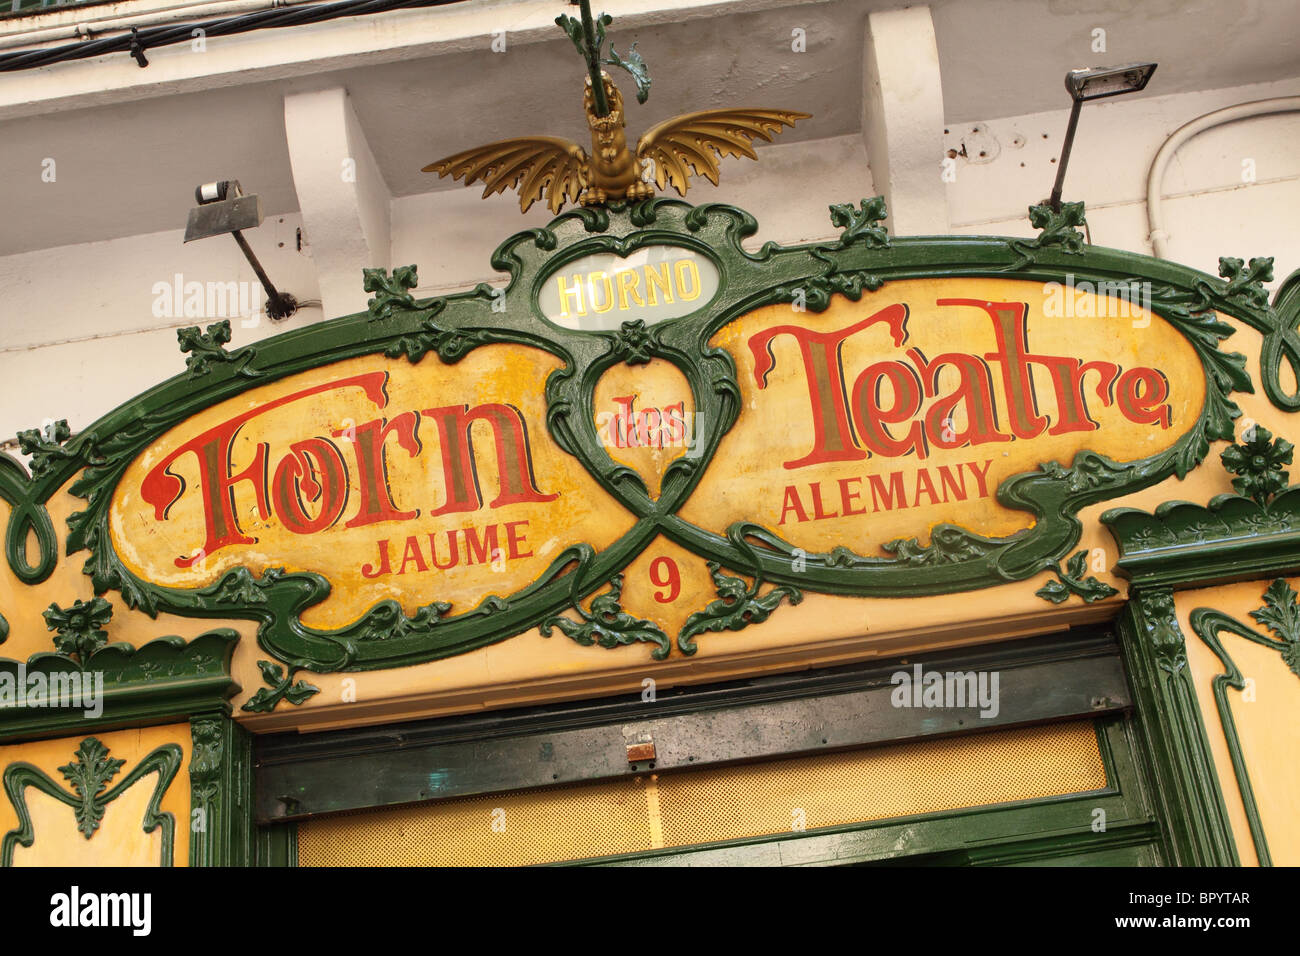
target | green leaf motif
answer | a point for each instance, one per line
(45, 446)
(390, 291)
(1257, 462)
(89, 773)
(632, 343)
(1246, 282)
(1073, 581)
(1281, 615)
(636, 66)
(739, 606)
(1054, 229)
(79, 628)
(860, 225)
(205, 348)
(282, 687)
(608, 625)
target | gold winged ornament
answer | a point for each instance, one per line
(667, 154)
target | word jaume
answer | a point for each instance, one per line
(75, 908)
(463, 546)
(316, 471)
(79, 689)
(854, 422)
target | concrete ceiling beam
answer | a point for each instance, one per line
(344, 200)
(902, 119)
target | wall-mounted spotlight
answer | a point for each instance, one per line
(1095, 84)
(223, 208)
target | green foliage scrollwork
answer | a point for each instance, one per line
(632, 343)
(1074, 580)
(446, 329)
(1280, 615)
(281, 686)
(1257, 462)
(89, 773)
(79, 629)
(608, 625)
(46, 446)
(738, 606)
(1054, 229)
(860, 225)
(207, 348)
(391, 292)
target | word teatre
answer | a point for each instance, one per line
(852, 422)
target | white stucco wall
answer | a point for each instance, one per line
(79, 334)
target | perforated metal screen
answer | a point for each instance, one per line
(715, 804)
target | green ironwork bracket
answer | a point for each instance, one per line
(1234, 537)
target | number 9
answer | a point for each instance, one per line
(669, 577)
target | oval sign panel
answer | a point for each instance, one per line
(598, 293)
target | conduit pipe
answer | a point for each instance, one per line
(1158, 238)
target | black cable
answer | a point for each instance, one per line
(139, 40)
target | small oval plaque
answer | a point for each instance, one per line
(602, 291)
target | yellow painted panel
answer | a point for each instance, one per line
(412, 482)
(1264, 715)
(120, 839)
(820, 456)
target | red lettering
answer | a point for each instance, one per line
(791, 502)
(514, 458)
(846, 500)
(833, 438)
(1142, 393)
(372, 465)
(315, 468)
(889, 496)
(481, 548)
(873, 418)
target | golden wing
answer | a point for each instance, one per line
(530, 164)
(684, 146)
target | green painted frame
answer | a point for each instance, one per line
(1282, 615)
(396, 324)
(164, 760)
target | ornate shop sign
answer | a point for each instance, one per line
(870, 416)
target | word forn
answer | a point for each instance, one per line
(315, 470)
(674, 281)
(649, 427)
(850, 424)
